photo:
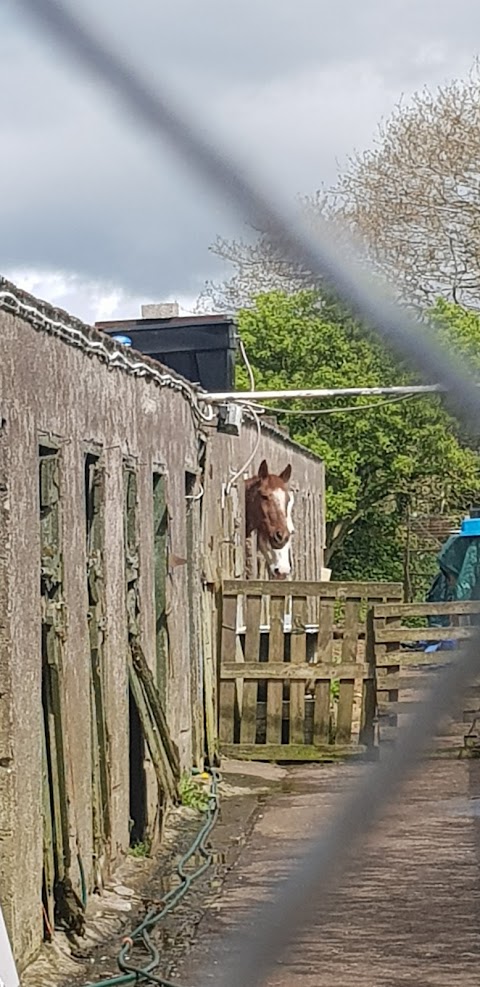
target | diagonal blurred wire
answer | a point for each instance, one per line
(278, 921)
(158, 113)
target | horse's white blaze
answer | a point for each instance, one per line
(280, 496)
(285, 501)
(290, 503)
(279, 560)
(282, 561)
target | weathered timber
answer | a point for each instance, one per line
(165, 775)
(306, 671)
(336, 590)
(229, 652)
(347, 685)
(384, 635)
(145, 674)
(298, 657)
(276, 657)
(291, 752)
(323, 657)
(426, 609)
(248, 721)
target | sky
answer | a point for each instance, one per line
(97, 217)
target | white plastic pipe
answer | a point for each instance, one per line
(320, 392)
(8, 973)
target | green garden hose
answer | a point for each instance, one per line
(131, 974)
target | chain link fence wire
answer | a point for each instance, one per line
(253, 954)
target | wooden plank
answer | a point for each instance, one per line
(426, 609)
(298, 655)
(324, 653)
(228, 654)
(347, 686)
(48, 855)
(152, 695)
(248, 720)
(335, 590)
(287, 670)
(407, 657)
(276, 651)
(291, 752)
(160, 762)
(366, 734)
(208, 673)
(399, 682)
(160, 559)
(383, 635)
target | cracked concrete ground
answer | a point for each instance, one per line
(408, 913)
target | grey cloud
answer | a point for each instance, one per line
(293, 86)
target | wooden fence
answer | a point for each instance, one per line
(403, 642)
(296, 671)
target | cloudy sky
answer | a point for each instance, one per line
(96, 218)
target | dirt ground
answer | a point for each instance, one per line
(409, 915)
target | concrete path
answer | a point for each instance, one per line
(410, 915)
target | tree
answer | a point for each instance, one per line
(378, 459)
(413, 200)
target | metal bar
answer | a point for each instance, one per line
(321, 392)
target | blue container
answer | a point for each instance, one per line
(120, 338)
(470, 527)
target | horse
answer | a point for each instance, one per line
(268, 511)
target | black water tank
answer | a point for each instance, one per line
(201, 348)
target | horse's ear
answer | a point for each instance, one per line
(263, 470)
(286, 474)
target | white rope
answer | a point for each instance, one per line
(249, 410)
(247, 363)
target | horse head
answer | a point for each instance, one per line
(269, 505)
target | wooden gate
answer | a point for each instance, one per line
(297, 678)
(403, 643)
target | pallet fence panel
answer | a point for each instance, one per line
(298, 656)
(277, 668)
(404, 666)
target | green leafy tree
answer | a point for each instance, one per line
(381, 457)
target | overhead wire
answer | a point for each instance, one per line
(251, 412)
(291, 905)
(332, 411)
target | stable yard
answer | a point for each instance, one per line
(407, 913)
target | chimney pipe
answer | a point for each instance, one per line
(161, 310)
